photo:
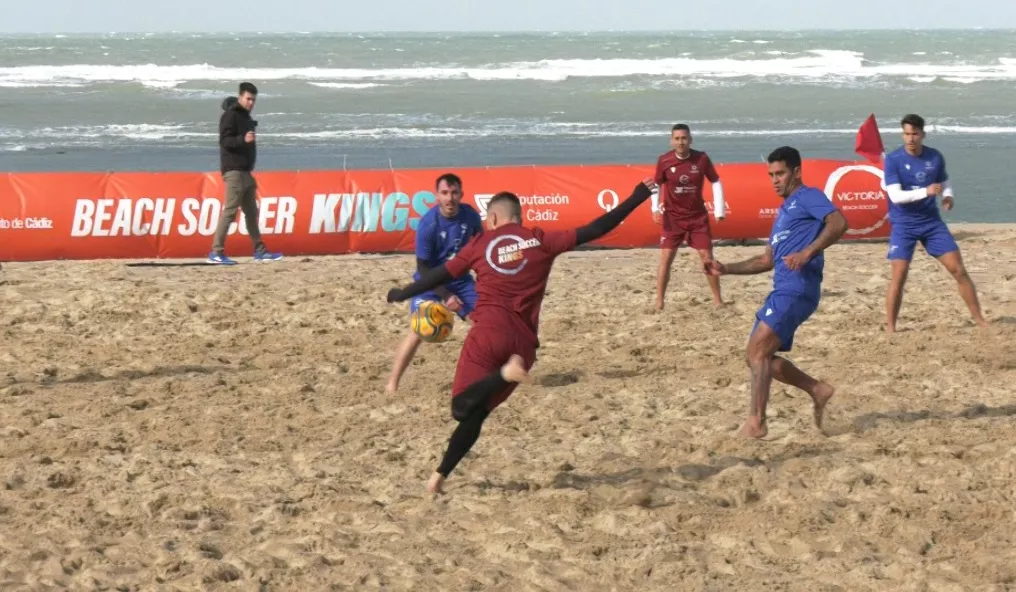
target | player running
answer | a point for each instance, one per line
(683, 172)
(914, 174)
(512, 263)
(806, 224)
(442, 231)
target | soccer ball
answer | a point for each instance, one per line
(432, 321)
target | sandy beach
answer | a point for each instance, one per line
(197, 428)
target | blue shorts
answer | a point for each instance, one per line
(784, 312)
(935, 238)
(466, 291)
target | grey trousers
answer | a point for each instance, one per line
(241, 193)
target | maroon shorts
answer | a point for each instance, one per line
(484, 351)
(694, 231)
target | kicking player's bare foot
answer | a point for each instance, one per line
(391, 387)
(436, 483)
(754, 428)
(823, 392)
(659, 306)
(515, 370)
(982, 323)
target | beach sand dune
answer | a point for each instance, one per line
(177, 428)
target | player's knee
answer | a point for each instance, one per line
(460, 408)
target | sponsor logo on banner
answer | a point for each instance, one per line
(607, 199)
(850, 189)
(29, 223)
(101, 215)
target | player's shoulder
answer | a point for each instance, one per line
(933, 153)
(812, 192)
(469, 211)
(896, 154)
(698, 155)
(666, 157)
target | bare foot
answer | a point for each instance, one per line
(890, 328)
(659, 306)
(719, 303)
(515, 370)
(982, 323)
(823, 392)
(435, 484)
(754, 428)
(391, 387)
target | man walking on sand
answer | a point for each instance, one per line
(237, 154)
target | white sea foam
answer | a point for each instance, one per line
(813, 65)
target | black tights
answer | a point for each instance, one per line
(469, 408)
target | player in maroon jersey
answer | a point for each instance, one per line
(681, 174)
(512, 265)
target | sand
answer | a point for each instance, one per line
(188, 428)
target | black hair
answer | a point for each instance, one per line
(511, 200)
(914, 120)
(247, 87)
(680, 126)
(450, 179)
(786, 154)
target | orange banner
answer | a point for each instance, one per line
(173, 215)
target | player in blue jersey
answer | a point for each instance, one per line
(441, 233)
(806, 224)
(914, 175)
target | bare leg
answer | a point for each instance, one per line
(714, 281)
(403, 355)
(761, 348)
(953, 262)
(786, 372)
(663, 275)
(894, 296)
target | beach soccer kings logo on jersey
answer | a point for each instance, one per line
(506, 254)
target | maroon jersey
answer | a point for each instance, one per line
(512, 264)
(681, 182)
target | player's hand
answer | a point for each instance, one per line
(249, 138)
(453, 303)
(395, 295)
(658, 216)
(714, 267)
(650, 183)
(947, 203)
(795, 261)
(934, 189)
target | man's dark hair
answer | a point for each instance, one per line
(680, 126)
(247, 87)
(914, 120)
(450, 179)
(786, 154)
(510, 200)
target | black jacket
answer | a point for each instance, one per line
(234, 153)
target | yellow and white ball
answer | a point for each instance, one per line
(432, 321)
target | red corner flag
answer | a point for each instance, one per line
(869, 140)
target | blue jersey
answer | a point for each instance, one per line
(798, 223)
(914, 172)
(438, 239)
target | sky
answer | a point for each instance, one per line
(105, 16)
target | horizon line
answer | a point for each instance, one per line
(499, 31)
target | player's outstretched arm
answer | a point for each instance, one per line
(609, 221)
(759, 264)
(441, 291)
(432, 278)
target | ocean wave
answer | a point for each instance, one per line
(203, 134)
(814, 64)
